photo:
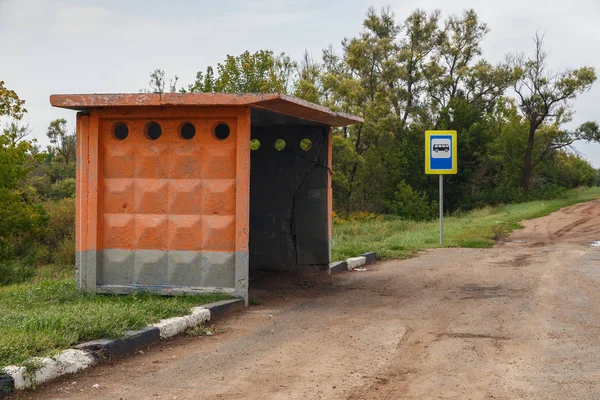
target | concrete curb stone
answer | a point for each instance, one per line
(87, 354)
(355, 262)
(112, 348)
(7, 383)
(370, 257)
(337, 266)
(219, 309)
(352, 262)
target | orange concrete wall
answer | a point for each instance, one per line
(149, 188)
(166, 194)
(184, 188)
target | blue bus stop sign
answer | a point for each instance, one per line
(441, 158)
(441, 153)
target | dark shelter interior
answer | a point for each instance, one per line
(289, 222)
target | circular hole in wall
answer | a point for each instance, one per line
(280, 144)
(120, 131)
(187, 131)
(254, 144)
(221, 131)
(153, 130)
(306, 144)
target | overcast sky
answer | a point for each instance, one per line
(87, 46)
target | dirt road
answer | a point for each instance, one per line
(521, 320)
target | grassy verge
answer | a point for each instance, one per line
(396, 238)
(39, 319)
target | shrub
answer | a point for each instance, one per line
(60, 237)
(16, 271)
(64, 188)
(64, 254)
(412, 204)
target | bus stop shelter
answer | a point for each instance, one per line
(188, 193)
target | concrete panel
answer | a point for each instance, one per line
(184, 268)
(185, 197)
(184, 232)
(218, 270)
(87, 262)
(150, 267)
(78, 257)
(116, 267)
(181, 269)
(242, 266)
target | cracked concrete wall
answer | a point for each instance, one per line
(289, 226)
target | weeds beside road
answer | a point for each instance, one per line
(398, 238)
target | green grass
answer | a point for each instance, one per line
(39, 319)
(396, 238)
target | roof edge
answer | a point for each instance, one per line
(276, 102)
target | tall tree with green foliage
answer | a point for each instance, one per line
(545, 95)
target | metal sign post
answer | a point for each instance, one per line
(441, 159)
(441, 209)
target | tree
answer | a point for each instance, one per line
(260, 72)
(15, 131)
(21, 221)
(456, 70)
(543, 95)
(10, 104)
(308, 87)
(158, 82)
(63, 143)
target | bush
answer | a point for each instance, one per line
(548, 192)
(64, 255)
(60, 237)
(64, 188)
(412, 204)
(16, 271)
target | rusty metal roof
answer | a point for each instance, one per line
(275, 102)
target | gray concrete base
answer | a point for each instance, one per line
(162, 290)
(163, 272)
(173, 268)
